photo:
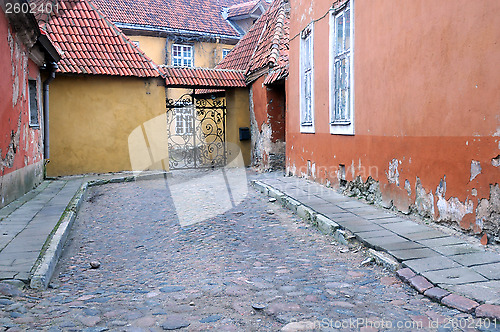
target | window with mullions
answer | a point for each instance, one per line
(33, 103)
(184, 120)
(341, 48)
(307, 81)
(182, 55)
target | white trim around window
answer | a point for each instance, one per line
(307, 80)
(33, 104)
(342, 70)
(182, 55)
(225, 52)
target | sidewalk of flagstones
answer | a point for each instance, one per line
(31, 228)
(442, 267)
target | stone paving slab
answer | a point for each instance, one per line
(425, 235)
(379, 242)
(372, 234)
(476, 258)
(416, 253)
(441, 241)
(490, 271)
(329, 209)
(360, 226)
(405, 227)
(488, 291)
(454, 276)
(388, 220)
(377, 215)
(401, 245)
(430, 264)
(457, 249)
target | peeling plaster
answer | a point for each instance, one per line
(496, 161)
(13, 147)
(424, 202)
(393, 173)
(408, 187)
(475, 169)
(369, 190)
(488, 212)
(452, 209)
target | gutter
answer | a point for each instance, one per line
(46, 135)
(196, 34)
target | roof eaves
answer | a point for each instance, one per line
(152, 28)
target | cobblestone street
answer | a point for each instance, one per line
(255, 267)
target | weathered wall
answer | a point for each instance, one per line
(206, 54)
(237, 116)
(426, 110)
(153, 47)
(91, 119)
(21, 146)
(267, 113)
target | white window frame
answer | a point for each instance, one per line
(182, 60)
(307, 69)
(33, 108)
(342, 127)
(225, 52)
(184, 119)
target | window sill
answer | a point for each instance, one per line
(340, 123)
(33, 126)
(307, 128)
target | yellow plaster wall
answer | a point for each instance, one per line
(154, 47)
(92, 119)
(238, 115)
(206, 55)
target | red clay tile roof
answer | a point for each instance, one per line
(189, 15)
(264, 46)
(90, 44)
(203, 77)
(244, 8)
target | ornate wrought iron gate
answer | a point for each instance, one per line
(197, 132)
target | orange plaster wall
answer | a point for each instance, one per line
(426, 93)
(259, 101)
(269, 107)
(20, 144)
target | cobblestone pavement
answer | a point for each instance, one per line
(256, 267)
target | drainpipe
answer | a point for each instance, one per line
(46, 136)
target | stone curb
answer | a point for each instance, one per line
(323, 223)
(407, 275)
(42, 271)
(51, 252)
